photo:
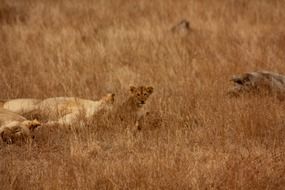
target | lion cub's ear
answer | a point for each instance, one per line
(111, 98)
(132, 89)
(149, 89)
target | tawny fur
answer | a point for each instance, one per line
(68, 110)
(131, 111)
(18, 131)
(15, 127)
(260, 82)
(7, 116)
(21, 105)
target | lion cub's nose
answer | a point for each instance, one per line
(142, 102)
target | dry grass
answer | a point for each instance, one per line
(87, 48)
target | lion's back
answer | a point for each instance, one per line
(21, 105)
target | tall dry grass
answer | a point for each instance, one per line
(87, 48)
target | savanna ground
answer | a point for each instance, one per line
(88, 48)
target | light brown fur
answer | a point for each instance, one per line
(7, 116)
(131, 111)
(20, 105)
(67, 110)
(260, 82)
(58, 110)
(14, 127)
(18, 131)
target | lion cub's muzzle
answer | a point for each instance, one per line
(140, 103)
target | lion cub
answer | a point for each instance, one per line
(131, 111)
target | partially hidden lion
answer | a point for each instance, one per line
(20, 105)
(60, 110)
(68, 110)
(259, 82)
(15, 127)
(131, 111)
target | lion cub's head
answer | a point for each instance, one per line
(109, 98)
(140, 94)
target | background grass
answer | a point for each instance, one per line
(88, 48)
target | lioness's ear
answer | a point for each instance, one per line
(132, 89)
(149, 89)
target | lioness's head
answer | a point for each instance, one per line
(141, 94)
(252, 83)
(31, 124)
(241, 83)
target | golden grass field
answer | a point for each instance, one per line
(89, 48)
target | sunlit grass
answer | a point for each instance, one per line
(88, 48)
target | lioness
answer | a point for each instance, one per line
(7, 116)
(18, 131)
(60, 110)
(67, 110)
(259, 82)
(21, 105)
(15, 127)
